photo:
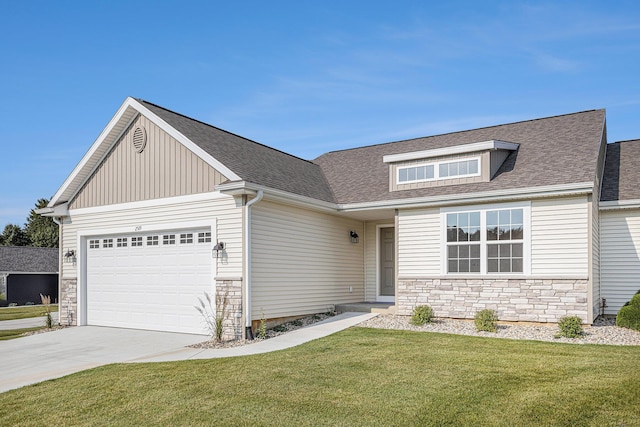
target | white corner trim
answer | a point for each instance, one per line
(620, 204)
(456, 149)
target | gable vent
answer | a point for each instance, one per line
(139, 139)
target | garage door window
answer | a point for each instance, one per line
(169, 239)
(121, 242)
(107, 243)
(186, 238)
(204, 237)
(94, 244)
(136, 241)
(152, 240)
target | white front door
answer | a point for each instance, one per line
(149, 281)
(386, 264)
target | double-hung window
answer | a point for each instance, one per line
(486, 240)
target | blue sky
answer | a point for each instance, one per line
(303, 77)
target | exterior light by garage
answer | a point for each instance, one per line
(218, 248)
(70, 255)
(354, 237)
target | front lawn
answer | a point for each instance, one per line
(24, 311)
(360, 376)
(10, 334)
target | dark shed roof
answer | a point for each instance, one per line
(253, 162)
(27, 259)
(554, 150)
(621, 179)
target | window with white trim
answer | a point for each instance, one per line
(169, 239)
(438, 170)
(152, 240)
(186, 238)
(136, 241)
(121, 242)
(94, 244)
(107, 243)
(486, 241)
(204, 237)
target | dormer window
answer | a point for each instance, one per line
(438, 170)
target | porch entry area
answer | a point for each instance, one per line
(386, 264)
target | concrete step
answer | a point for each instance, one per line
(367, 307)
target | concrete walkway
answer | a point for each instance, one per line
(49, 355)
(30, 322)
(290, 339)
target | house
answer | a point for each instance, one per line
(26, 272)
(164, 207)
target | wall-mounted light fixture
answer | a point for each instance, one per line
(70, 255)
(354, 237)
(219, 247)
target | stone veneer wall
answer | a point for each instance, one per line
(68, 309)
(530, 300)
(233, 317)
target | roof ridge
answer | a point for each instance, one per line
(624, 140)
(462, 131)
(225, 131)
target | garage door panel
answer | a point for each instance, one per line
(148, 287)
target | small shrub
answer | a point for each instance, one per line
(629, 314)
(297, 323)
(421, 315)
(280, 328)
(46, 301)
(262, 328)
(214, 316)
(486, 320)
(570, 327)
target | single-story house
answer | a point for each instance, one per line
(514, 218)
(26, 272)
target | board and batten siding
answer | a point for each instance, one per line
(560, 238)
(303, 261)
(219, 208)
(419, 243)
(619, 256)
(165, 168)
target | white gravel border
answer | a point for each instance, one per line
(603, 331)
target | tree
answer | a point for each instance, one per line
(13, 235)
(41, 230)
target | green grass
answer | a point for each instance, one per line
(16, 333)
(358, 377)
(24, 311)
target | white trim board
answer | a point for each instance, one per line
(448, 151)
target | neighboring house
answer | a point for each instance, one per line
(164, 207)
(26, 272)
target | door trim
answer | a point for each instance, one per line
(383, 298)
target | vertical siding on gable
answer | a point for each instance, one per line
(223, 209)
(560, 237)
(619, 256)
(303, 261)
(165, 168)
(419, 243)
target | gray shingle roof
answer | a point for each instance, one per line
(28, 259)
(253, 162)
(554, 150)
(621, 179)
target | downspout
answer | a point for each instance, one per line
(247, 274)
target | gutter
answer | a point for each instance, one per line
(247, 274)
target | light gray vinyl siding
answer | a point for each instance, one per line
(419, 240)
(560, 237)
(370, 261)
(595, 256)
(221, 209)
(165, 168)
(619, 256)
(303, 261)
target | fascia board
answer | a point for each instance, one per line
(481, 197)
(619, 204)
(89, 159)
(94, 156)
(228, 173)
(446, 151)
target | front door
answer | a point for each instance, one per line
(386, 265)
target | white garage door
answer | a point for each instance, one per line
(149, 281)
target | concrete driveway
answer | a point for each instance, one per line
(41, 357)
